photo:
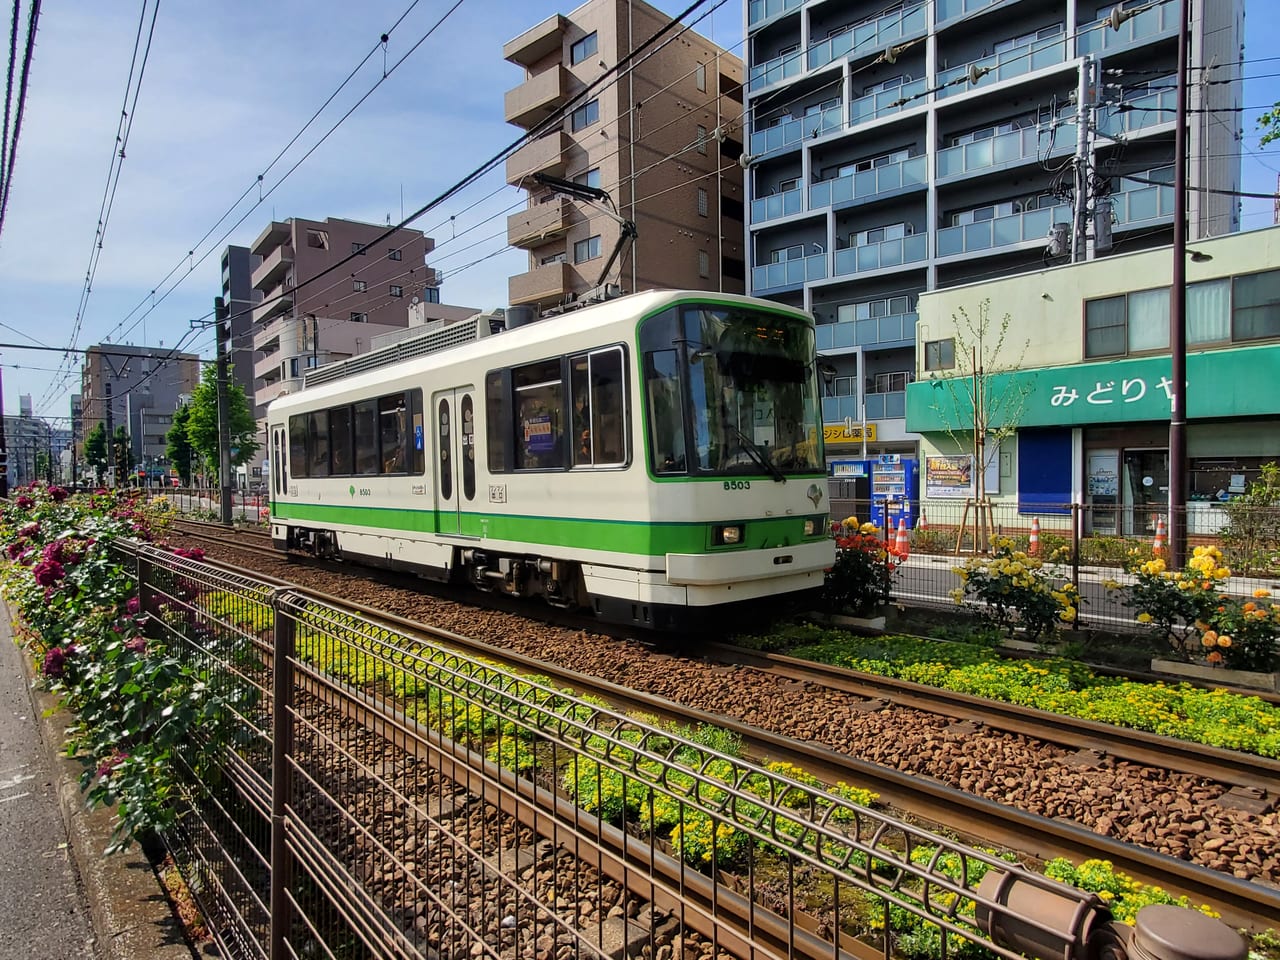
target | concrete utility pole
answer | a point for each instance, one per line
(222, 332)
(111, 440)
(1084, 147)
(1178, 312)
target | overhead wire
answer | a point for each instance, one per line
(33, 18)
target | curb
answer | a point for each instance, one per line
(128, 907)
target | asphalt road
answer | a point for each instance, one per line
(43, 911)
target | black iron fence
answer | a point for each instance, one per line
(386, 796)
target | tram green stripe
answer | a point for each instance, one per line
(619, 536)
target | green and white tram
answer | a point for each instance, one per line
(655, 458)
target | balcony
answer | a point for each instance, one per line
(544, 155)
(528, 228)
(1141, 203)
(273, 268)
(866, 184)
(1154, 109)
(794, 131)
(950, 9)
(779, 205)
(275, 234)
(886, 102)
(536, 42)
(1004, 66)
(543, 284)
(882, 255)
(788, 273)
(758, 11)
(272, 307)
(1098, 37)
(1001, 231)
(1005, 150)
(779, 68)
(537, 98)
(870, 37)
(879, 333)
(886, 406)
(838, 409)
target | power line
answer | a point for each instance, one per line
(32, 19)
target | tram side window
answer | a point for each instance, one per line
(393, 424)
(318, 441)
(666, 412)
(608, 421)
(580, 390)
(539, 396)
(366, 437)
(298, 445)
(498, 432)
(340, 440)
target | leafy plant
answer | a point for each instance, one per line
(859, 580)
(1251, 537)
(1011, 590)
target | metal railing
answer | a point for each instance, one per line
(1138, 113)
(871, 36)
(789, 272)
(387, 796)
(760, 10)
(1000, 231)
(1004, 66)
(912, 172)
(886, 102)
(798, 130)
(1099, 37)
(885, 253)
(779, 205)
(1012, 147)
(896, 329)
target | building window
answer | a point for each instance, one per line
(589, 179)
(587, 249)
(702, 140)
(700, 77)
(702, 201)
(1104, 327)
(318, 239)
(1136, 323)
(357, 247)
(704, 264)
(394, 253)
(583, 48)
(397, 290)
(560, 257)
(585, 116)
(940, 354)
(431, 294)
(359, 286)
(894, 382)
(1256, 311)
(359, 317)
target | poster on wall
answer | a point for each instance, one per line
(949, 477)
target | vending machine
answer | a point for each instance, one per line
(895, 490)
(849, 488)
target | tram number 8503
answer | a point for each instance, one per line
(737, 484)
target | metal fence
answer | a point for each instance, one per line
(1085, 545)
(388, 797)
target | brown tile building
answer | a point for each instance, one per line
(663, 141)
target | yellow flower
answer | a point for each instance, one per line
(1261, 593)
(1224, 640)
(850, 522)
(1144, 617)
(1068, 614)
(1210, 638)
(1221, 573)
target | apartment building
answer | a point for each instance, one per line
(902, 149)
(239, 295)
(663, 140)
(299, 323)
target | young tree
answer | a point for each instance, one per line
(977, 418)
(1270, 124)
(123, 454)
(202, 422)
(178, 444)
(95, 450)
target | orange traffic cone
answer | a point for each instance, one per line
(901, 545)
(1033, 547)
(921, 524)
(1157, 547)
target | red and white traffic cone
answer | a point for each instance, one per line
(901, 544)
(1157, 547)
(921, 524)
(1033, 547)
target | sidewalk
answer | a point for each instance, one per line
(66, 901)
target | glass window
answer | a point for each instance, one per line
(366, 437)
(446, 472)
(1149, 320)
(598, 409)
(359, 317)
(585, 116)
(357, 247)
(539, 397)
(340, 441)
(666, 411)
(587, 249)
(700, 77)
(1104, 327)
(590, 178)
(318, 440)
(702, 140)
(394, 253)
(1256, 312)
(704, 264)
(584, 48)
(499, 420)
(298, 445)
(940, 354)
(1209, 311)
(397, 290)
(580, 394)
(560, 257)
(702, 201)
(359, 286)
(467, 406)
(393, 431)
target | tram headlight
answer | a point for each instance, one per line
(815, 525)
(727, 534)
(809, 527)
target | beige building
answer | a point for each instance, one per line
(299, 323)
(663, 140)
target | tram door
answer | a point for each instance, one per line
(453, 417)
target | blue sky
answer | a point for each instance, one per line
(226, 85)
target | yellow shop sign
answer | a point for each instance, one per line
(834, 433)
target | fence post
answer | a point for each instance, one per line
(281, 779)
(1075, 560)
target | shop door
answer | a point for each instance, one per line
(1145, 490)
(1102, 492)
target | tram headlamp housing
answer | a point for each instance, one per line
(809, 526)
(813, 526)
(726, 534)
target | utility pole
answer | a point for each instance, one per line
(4, 450)
(1178, 313)
(111, 436)
(1084, 135)
(222, 331)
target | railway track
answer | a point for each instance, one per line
(977, 819)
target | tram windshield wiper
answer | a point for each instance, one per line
(759, 456)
